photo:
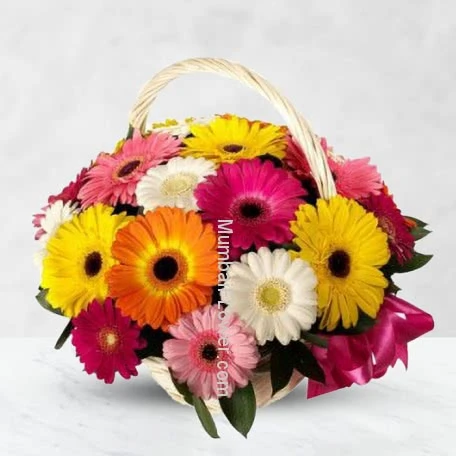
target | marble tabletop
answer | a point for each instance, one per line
(48, 406)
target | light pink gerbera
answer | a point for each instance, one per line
(113, 178)
(259, 198)
(356, 178)
(106, 341)
(205, 345)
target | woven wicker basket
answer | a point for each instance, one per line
(302, 133)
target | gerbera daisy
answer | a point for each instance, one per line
(204, 345)
(106, 342)
(260, 199)
(54, 215)
(168, 266)
(70, 192)
(180, 129)
(48, 223)
(296, 158)
(346, 248)
(78, 256)
(391, 221)
(356, 178)
(113, 178)
(272, 294)
(67, 195)
(173, 183)
(230, 139)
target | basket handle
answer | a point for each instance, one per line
(297, 125)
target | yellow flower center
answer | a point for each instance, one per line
(273, 295)
(179, 184)
(108, 339)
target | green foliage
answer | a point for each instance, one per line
(44, 303)
(240, 408)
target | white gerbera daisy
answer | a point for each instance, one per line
(173, 183)
(273, 294)
(56, 214)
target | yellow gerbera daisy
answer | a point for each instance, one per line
(345, 246)
(230, 139)
(79, 255)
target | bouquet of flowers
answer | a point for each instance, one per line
(234, 257)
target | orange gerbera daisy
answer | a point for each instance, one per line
(168, 264)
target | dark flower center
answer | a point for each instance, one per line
(232, 148)
(251, 210)
(166, 268)
(93, 264)
(209, 352)
(128, 168)
(339, 263)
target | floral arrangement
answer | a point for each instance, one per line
(205, 244)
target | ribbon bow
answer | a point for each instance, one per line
(360, 358)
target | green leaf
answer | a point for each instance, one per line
(290, 246)
(306, 363)
(419, 232)
(418, 222)
(44, 303)
(64, 336)
(240, 408)
(130, 132)
(417, 261)
(392, 288)
(281, 367)
(205, 417)
(314, 339)
(183, 389)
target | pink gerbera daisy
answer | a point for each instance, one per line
(259, 198)
(205, 345)
(390, 219)
(356, 179)
(113, 178)
(106, 341)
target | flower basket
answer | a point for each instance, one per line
(233, 257)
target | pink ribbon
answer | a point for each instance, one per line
(360, 358)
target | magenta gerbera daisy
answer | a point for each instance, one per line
(204, 346)
(106, 341)
(114, 177)
(259, 198)
(71, 191)
(400, 240)
(356, 179)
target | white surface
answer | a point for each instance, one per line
(375, 78)
(49, 407)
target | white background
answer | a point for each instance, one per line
(375, 78)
